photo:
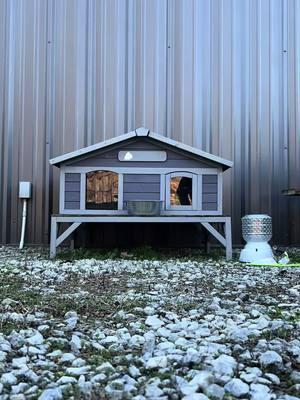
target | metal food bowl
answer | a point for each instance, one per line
(146, 208)
(257, 227)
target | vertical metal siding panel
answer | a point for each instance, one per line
(150, 64)
(233, 180)
(3, 88)
(90, 82)
(265, 167)
(14, 124)
(174, 95)
(170, 69)
(49, 120)
(297, 98)
(186, 79)
(81, 63)
(245, 131)
(58, 94)
(69, 75)
(254, 106)
(279, 204)
(293, 112)
(111, 78)
(120, 91)
(225, 97)
(216, 60)
(38, 219)
(99, 20)
(202, 67)
(106, 74)
(130, 110)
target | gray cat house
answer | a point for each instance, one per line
(141, 176)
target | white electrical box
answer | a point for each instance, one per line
(24, 190)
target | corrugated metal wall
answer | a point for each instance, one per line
(222, 75)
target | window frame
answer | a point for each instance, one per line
(181, 174)
(85, 192)
(85, 210)
(83, 177)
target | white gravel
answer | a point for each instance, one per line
(143, 329)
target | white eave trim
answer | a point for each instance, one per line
(89, 149)
(190, 149)
(141, 132)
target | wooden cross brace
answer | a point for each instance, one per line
(56, 241)
(225, 241)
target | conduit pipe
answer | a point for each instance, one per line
(24, 216)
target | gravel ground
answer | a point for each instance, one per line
(146, 329)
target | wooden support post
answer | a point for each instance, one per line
(228, 238)
(56, 241)
(53, 235)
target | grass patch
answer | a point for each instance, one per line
(280, 333)
(141, 253)
(57, 305)
(12, 287)
(98, 357)
(181, 306)
(291, 316)
(81, 254)
(103, 297)
(6, 327)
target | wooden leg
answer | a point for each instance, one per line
(53, 237)
(225, 241)
(228, 239)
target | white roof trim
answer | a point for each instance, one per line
(89, 149)
(190, 149)
(140, 132)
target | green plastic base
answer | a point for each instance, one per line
(274, 265)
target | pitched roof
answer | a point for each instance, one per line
(140, 132)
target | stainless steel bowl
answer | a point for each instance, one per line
(257, 228)
(146, 208)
